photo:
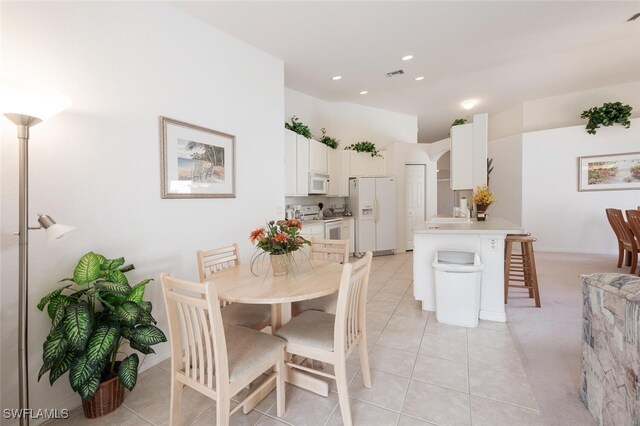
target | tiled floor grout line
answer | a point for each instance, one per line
(469, 379)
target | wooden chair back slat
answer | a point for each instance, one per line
(330, 250)
(198, 347)
(633, 218)
(620, 227)
(215, 260)
(351, 306)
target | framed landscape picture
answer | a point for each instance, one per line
(196, 162)
(609, 172)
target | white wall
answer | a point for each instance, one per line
(96, 166)
(506, 179)
(562, 218)
(561, 110)
(351, 122)
(564, 110)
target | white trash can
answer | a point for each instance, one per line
(458, 276)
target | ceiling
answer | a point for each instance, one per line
(500, 53)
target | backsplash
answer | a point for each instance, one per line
(313, 200)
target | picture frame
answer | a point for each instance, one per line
(613, 172)
(196, 162)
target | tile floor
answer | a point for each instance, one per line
(423, 373)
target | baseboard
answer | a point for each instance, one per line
(564, 250)
(493, 316)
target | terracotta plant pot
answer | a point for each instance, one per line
(107, 398)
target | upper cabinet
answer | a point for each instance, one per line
(345, 164)
(318, 157)
(296, 164)
(462, 157)
(469, 154)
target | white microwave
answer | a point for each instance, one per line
(318, 183)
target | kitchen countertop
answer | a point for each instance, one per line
(313, 222)
(491, 225)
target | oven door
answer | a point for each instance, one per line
(333, 230)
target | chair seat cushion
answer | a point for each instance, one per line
(310, 328)
(246, 348)
(245, 315)
(324, 304)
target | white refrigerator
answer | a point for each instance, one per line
(373, 203)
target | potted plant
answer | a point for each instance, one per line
(365, 146)
(482, 198)
(607, 115)
(280, 239)
(298, 127)
(91, 318)
(328, 140)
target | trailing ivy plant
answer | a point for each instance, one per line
(328, 140)
(90, 319)
(299, 127)
(607, 115)
(365, 146)
(459, 121)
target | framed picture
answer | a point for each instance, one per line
(609, 172)
(196, 162)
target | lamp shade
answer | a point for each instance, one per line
(31, 100)
(54, 230)
(58, 231)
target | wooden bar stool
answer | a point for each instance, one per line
(520, 267)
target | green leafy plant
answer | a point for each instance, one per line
(299, 127)
(365, 146)
(328, 140)
(459, 121)
(607, 115)
(90, 319)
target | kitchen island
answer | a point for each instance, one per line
(485, 238)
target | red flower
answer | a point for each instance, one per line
(257, 235)
(294, 222)
(280, 238)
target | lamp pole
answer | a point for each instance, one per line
(23, 123)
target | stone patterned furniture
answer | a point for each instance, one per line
(611, 348)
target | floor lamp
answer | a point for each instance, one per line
(27, 106)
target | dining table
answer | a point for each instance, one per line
(307, 279)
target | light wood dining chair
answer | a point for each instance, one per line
(332, 251)
(217, 361)
(245, 315)
(331, 338)
(633, 218)
(627, 245)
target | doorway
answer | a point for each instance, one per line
(415, 175)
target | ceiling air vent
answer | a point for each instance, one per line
(634, 17)
(394, 73)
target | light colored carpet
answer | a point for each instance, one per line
(549, 337)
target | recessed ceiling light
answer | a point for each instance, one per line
(469, 104)
(407, 58)
(336, 77)
(419, 78)
(364, 92)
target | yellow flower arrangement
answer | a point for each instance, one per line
(482, 197)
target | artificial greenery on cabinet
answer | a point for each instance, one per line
(91, 318)
(328, 140)
(607, 115)
(458, 122)
(299, 127)
(365, 146)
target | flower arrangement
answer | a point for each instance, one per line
(482, 197)
(279, 238)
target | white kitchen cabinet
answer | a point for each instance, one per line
(462, 157)
(290, 163)
(318, 153)
(363, 164)
(348, 232)
(469, 154)
(339, 172)
(296, 164)
(311, 231)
